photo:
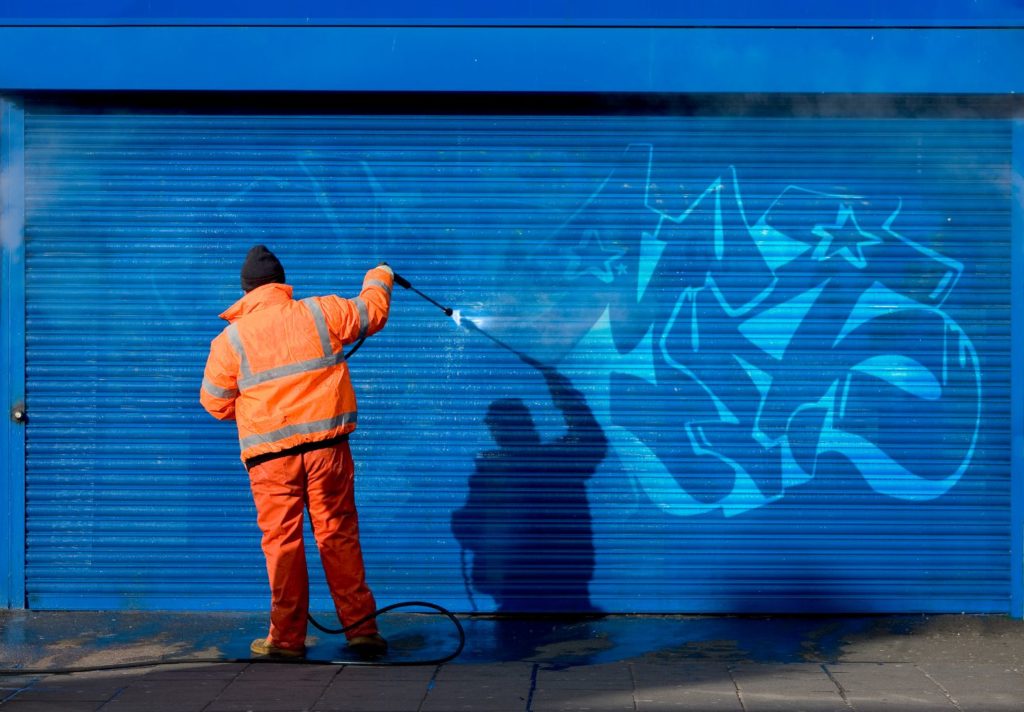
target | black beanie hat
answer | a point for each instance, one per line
(261, 267)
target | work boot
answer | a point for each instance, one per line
(263, 646)
(368, 647)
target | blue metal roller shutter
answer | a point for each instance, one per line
(793, 335)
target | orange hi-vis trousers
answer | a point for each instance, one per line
(322, 481)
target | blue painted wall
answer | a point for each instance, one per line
(642, 13)
(910, 47)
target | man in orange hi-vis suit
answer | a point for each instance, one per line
(278, 370)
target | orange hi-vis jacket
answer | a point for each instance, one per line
(278, 368)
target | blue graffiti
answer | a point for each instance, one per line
(775, 345)
(790, 341)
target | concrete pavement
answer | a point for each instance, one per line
(744, 664)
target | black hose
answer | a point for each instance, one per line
(268, 659)
(354, 349)
(393, 606)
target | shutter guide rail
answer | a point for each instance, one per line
(1016, 382)
(12, 353)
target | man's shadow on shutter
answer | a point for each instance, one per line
(527, 519)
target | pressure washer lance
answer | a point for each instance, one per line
(403, 282)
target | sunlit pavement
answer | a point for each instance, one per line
(607, 663)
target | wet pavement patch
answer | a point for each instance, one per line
(57, 639)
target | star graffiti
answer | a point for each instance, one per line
(845, 238)
(590, 256)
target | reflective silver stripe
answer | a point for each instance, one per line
(290, 369)
(377, 283)
(364, 317)
(236, 343)
(321, 324)
(316, 426)
(217, 392)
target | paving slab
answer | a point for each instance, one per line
(17, 705)
(452, 697)
(787, 688)
(709, 677)
(386, 675)
(979, 688)
(784, 703)
(807, 679)
(683, 672)
(268, 696)
(616, 676)
(287, 673)
(347, 695)
(165, 696)
(71, 689)
(685, 685)
(487, 671)
(687, 700)
(583, 701)
(878, 687)
(489, 688)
